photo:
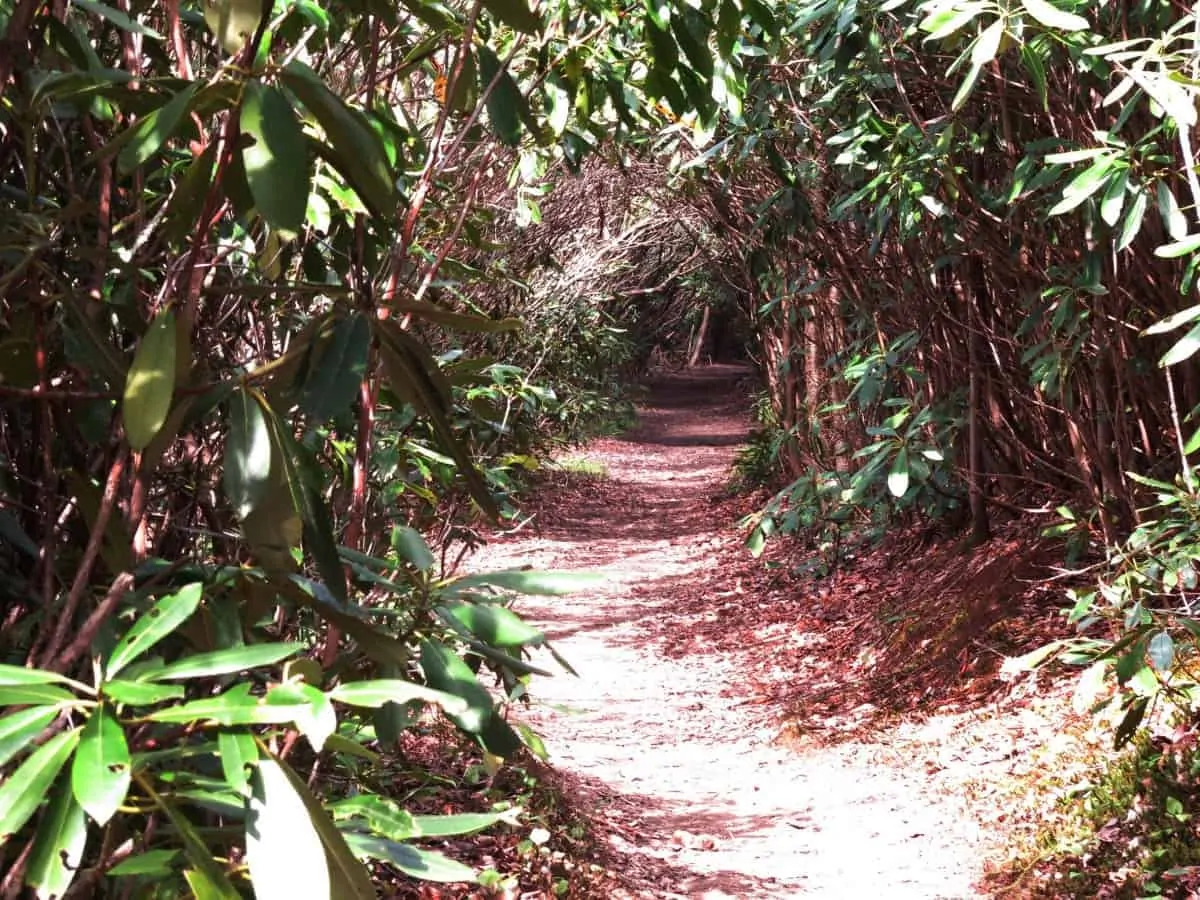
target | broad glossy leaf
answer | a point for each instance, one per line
(348, 877)
(411, 547)
(897, 480)
(495, 625)
(315, 716)
(150, 384)
(380, 815)
(10, 675)
(153, 625)
(152, 862)
(140, 693)
(337, 375)
(34, 694)
(224, 662)
(461, 823)
(154, 130)
(358, 152)
(237, 706)
(247, 472)
(421, 864)
(1133, 219)
(18, 729)
(58, 846)
(1184, 348)
(1052, 17)
(23, 791)
(504, 102)
(1161, 651)
(238, 753)
(283, 848)
(528, 581)
(445, 671)
(101, 773)
(515, 14)
(376, 692)
(276, 163)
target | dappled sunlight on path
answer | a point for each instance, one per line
(675, 766)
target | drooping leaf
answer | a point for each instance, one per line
(504, 102)
(358, 152)
(247, 472)
(495, 625)
(238, 752)
(1184, 348)
(58, 846)
(379, 815)
(276, 162)
(150, 384)
(233, 22)
(101, 774)
(283, 848)
(445, 671)
(216, 881)
(155, 129)
(411, 547)
(338, 372)
(153, 625)
(24, 790)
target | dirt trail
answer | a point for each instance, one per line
(677, 767)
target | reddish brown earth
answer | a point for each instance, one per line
(891, 776)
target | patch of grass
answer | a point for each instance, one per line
(582, 465)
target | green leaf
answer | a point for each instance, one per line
(35, 694)
(495, 625)
(154, 130)
(1161, 651)
(358, 152)
(153, 625)
(504, 101)
(421, 864)
(12, 675)
(515, 14)
(461, 823)
(445, 671)
(118, 18)
(691, 34)
(23, 791)
(101, 774)
(18, 729)
(1171, 322)
(527, 581)
(276, 163)
(247, 471)
(152, 862)
(1184, 348)
(283, 848)
(150, 384)
(224, 662)
(1133, 220)
(348, 878)
(950, 19)
(238, 752)
(411, 547)
(337, 375)
(1053, 17)
(376, 692)
(58, 846)
(1130, 722)
(315, 716)
(139, 693)
(237, 706)
(897, 481)
(1182, 247)
(380, 815)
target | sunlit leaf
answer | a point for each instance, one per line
(101, 774)
(150, 384)
(276, 160)
(153, 625)
(22, 792)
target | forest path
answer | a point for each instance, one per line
(674, 759)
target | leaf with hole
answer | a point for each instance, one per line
(153, 625)
(100, 774)
(150, 384)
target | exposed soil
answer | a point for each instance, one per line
(890, 775)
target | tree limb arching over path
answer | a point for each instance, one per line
(670, 758)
